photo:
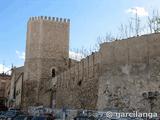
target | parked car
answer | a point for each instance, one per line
(10, 115)
(23, 117)
(2, 115)
(14, 109)
(83, 118)
(155, 118)
(42, 118)
(50, 115)
(2, 112)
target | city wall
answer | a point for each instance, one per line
(130, 74)
(77, 87)
(122, 76)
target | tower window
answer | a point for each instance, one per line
(80, 83)
(53, 73)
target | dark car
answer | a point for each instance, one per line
(14, 109)
(42, 118)
(92, 118)
(10, 115)
(2, 115)
(23, 117)
(85, 118)
(82, 118)
(2, 112)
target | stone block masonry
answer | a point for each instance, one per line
(77, 87)
(114, 78)
(47, 51)
(130, 68)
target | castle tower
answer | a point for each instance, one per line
(47, 50)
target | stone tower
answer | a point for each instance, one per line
(47, 50)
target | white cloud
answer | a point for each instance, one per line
(75, 56)
(3, 68)
(139, 10)
(21, 55)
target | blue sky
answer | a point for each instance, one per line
(89, 20)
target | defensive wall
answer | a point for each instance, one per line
(77, 86)
(130, 74)
(121, 75)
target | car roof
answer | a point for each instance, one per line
(82, 117)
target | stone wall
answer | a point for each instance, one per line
(122, 76)
(19, 89)
(16, 86)
(47, 48)
(130, 74)
(77, 87)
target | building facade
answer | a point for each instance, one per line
(4, 81)
(14, 88)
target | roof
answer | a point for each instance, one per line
(5, 76)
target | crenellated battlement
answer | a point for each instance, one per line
(48, 18)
